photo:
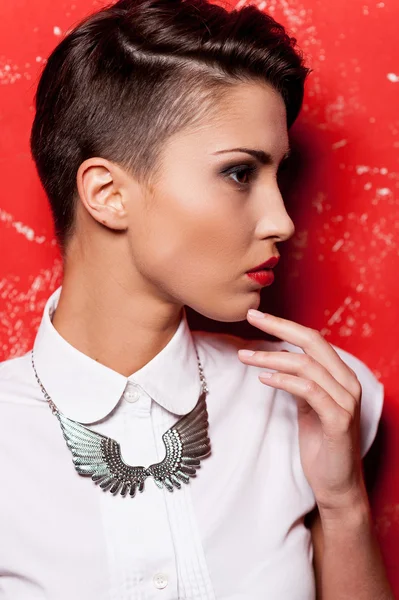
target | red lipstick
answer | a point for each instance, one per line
(263, 273)
(269, 264)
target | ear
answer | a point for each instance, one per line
(101, 190)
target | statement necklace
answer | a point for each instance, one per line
(99, 456)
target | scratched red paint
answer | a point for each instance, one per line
(338, 274)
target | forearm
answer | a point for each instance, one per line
(352, 566)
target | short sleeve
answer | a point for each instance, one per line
(372, 394)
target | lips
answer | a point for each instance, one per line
(269, 264)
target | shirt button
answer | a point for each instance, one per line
(131, 395)
(160, 581)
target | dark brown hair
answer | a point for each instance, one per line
(131, 75)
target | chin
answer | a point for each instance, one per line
(231, 310)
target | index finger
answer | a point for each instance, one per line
(310, 340)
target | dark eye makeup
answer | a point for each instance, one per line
(248, 171)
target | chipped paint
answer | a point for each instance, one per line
(24, 230)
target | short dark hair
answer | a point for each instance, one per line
(134, 73)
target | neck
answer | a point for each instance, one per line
(122, 326)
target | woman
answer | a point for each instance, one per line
(188, 465)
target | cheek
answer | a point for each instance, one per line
(196, 240)
(196, 225)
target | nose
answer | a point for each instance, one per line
(275, 222)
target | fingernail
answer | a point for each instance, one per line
(265, 375)
(246, 353)
(256, 314)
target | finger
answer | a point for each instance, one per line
(313, 344)
(333, 417)
(306, 367)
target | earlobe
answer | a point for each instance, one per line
(100, 193)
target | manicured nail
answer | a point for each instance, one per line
(256, 314)
(246, 353)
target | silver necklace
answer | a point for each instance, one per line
(99, 456)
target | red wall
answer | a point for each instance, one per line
(338, 274)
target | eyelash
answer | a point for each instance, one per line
(251, 170)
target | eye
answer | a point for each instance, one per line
(244, 173)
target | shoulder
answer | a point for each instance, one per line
(24, 415)
(18, 385)
(220, 354)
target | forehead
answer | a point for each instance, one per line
(250, 114)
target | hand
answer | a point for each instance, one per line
(328, 396)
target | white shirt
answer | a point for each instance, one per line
(235, 532)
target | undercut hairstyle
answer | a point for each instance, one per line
(133, 74)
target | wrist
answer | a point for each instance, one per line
(352, 515)
(352, 510)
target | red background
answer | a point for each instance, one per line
(339, 273)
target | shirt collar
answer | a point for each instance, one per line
(87, 391)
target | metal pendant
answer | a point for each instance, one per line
(99, 456)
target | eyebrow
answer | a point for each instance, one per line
(265, 158)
